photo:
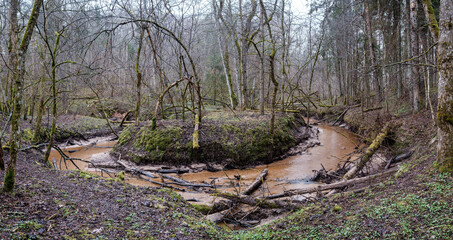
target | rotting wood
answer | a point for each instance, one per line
(218, 216)
(256, 184)
(263, 203)
(162, 184)
(371, 109)
(399, 158)
(369, 152)
(134, 170)
(342, 184)
(177, 171)
(340, 117)
(185, 183)
(344, 113)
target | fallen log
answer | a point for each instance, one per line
(342, 184)
(255, 184)
(134, 170)
(399, 158)
(371, 109)
(218, 216)
(177, 171)
(263, 203)
(340, 117)
(162, 184)
(369, 152)
(182, 182)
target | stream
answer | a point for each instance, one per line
(337, 145)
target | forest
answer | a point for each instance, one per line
(226, 119)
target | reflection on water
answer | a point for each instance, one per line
(336, 146)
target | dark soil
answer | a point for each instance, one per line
(51, 204)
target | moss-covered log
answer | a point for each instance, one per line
(369, 152)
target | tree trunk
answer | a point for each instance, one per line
(54, 99)
(445, 107)
(139, 76)
(375, 72)
(19, 73)
(415, 71)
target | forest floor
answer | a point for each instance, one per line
(416, 202)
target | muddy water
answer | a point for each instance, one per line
(82, 150)
(337, 145)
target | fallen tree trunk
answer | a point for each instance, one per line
(162, 184)
(131, 169)
(369, 152)
(185, 183)
(263, 203)
(255, 184)
(337, 185)
(399, 158)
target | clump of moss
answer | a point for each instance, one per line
(203, 208)
(120, 176)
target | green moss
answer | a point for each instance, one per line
(336, 208)
(125, 136)
(203, 208)
(120, 176)
(244, 142)
(28, 134)
(9, 180)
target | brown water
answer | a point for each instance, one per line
(337, 145)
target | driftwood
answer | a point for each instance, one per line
(162, 184)
(218, 216)
(399, 158)
(177, 171)
(369, 152)
(134, 170)
(337, 185)
(263, 203)
(182, 182)
(340, 117)
(255, 184)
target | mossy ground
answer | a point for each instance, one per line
(240, 140)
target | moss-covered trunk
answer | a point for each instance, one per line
(139, 77)
(445, 107)
(19, 73)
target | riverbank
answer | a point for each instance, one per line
(416, 202)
